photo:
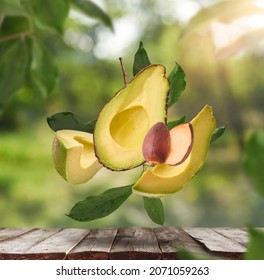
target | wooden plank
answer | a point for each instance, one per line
(9, 233)
(57, 246)
(236, 234)
(216, 243)
(12, 249)
(170, 239)
(95, 246)
(135, 243)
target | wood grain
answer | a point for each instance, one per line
(95, 246)
(9, 233)
(15, 248)
(57, 246)
(171, 239)
(216, 243)
(122, 243)
(135, 243)
(236, 234)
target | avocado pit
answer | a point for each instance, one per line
(171, 147)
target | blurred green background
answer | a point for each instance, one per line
(219, 45)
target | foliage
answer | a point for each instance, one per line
(68, 120)
(254, 160)
(172, 124)
(218, 133)
(95, 207)
(141, 59)
(177, 83)
(93, 11)
(155, 210)
(25, 26)
(255, 250)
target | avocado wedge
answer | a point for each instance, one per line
(164, 179)
(73, 156)
(124, 121)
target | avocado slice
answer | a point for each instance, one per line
(164, 179)
(73, 156)
(125, 120)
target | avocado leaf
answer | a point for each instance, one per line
(43, 71)
(172, 124)
(12, 8)
(218, 133)
(99, 206)
(154, 208)
(177, 84)
(50, 14)
(68, 120)
(141, 59)
(14, 60)
(92, 10)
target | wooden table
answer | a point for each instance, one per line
(121, 243)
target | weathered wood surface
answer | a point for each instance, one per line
(135, 243)
(121, 243)
(172, 239)
(95, 246)
(216, 243)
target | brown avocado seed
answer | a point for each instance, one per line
(168, 146)
(157, 144)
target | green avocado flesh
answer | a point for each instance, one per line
(164, 179)
(74, 157)
(125, 120)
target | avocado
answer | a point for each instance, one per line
(125, 120)
(73, 156)
(164, 179)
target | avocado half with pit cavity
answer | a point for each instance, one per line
(73, 156)
(125, 120)
(165, 179)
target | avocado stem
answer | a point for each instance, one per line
(123, 70)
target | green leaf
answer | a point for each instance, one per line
(68, 120)
(255, 249)
(11, 8)
(154, 208)
(172, 124)
(177, 84)
(254, 159)
(218, 133)
(43, 72)
(184, 254)
(14, 61)
(141, 59)
(14, 25)
(49, 13)
(93, 11)
(99, 206)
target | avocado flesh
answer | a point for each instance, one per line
(125, 120)
(74, 157)
(165, 179)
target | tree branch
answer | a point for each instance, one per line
(1, 21)
(15, 36)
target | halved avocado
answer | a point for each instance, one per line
(124, 121)
(164, 179)
(73, 156)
